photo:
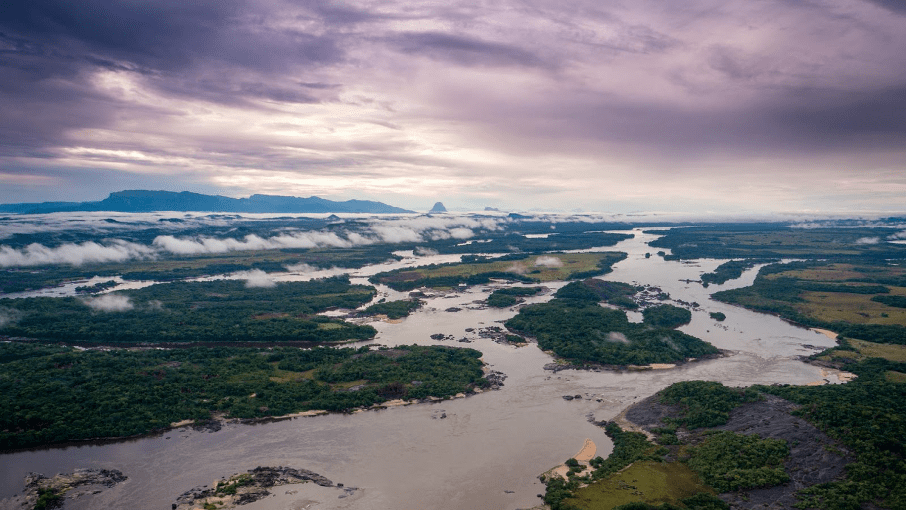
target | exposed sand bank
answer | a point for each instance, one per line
(827, 373)
(826, 332)
(588, 452)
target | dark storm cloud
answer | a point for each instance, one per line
(836, 116)
(263, 95)
(463, 50)
(153, 34)
(897, 6)
(215, 51)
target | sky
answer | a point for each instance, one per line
(699, 106)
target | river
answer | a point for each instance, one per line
(489, 449)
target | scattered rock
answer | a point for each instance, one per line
(814, 457)
(207, 426)
(495, 379)
(244, 488)
(68, 486)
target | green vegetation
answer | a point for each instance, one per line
(700, 501)
(778, 241)
(231, 486)
(97, 287)
(22, 279)
(849, 299)
(666, 316)
(729, 462)
(526, 269)
(394, 309)
(507, 242)
(705, 403)
(628, 447)
(54, 393)
(718, 316)
(636, 475)
(895, 301)
(866, 415)
(272, 261)
(583, 331)
(644, 485)
(502, 298)
(730, 270)
(213, 311)
(850, 350)
(181, 267)
(48, 498)
(593, 289)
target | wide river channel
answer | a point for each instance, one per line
(488, 450)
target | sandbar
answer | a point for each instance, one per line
(826, 332)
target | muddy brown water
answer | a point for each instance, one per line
(488, 450)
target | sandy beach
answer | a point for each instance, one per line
(826, 332)
(588, 451)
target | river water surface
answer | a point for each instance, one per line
(489, 449)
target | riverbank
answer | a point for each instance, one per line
(814, 458)
(560, 364)
(253, 485)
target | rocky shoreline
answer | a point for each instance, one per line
(561, 364)
(43, 492)
(814, 457)
(253, 485)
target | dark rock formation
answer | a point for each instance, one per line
(68, 486)
(241, 489)
(814, 457)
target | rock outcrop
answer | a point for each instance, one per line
(55, 491)
(244, 488)
(814, 457)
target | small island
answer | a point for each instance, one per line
(582, 332)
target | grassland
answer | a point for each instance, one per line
(864, 350)
(649, 482)
(532, 269)
(777, 241)
(834, 295)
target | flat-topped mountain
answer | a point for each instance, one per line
(148, 201)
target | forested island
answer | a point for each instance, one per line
(520, 268)
(55, 393)
(200, 311)
(854, 299)
(576, 328)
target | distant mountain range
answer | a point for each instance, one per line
(150, 201)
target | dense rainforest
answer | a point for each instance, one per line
(575, 327)
(55, 393)
(208, 311)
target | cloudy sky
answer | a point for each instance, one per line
(615, 106)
